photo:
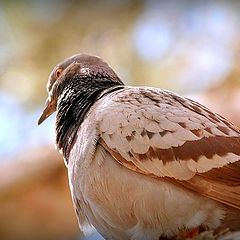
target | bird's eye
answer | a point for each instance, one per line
(58, 72)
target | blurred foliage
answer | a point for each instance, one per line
(42, 34)
(158, 43)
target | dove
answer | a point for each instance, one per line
(143, 162)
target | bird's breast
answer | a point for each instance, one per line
(120, 202)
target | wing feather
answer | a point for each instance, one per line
(160, 134)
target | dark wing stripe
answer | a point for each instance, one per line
(208, 147)
(229, 174)
(224, 191)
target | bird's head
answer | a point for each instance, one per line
(81, 67)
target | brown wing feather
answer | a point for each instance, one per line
(228, 175)
(222, 184)
(160, 134)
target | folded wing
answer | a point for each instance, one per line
(163, 135)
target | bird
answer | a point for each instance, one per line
(143, 162)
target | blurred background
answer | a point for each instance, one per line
(190, 47)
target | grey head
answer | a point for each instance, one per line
(80, 67)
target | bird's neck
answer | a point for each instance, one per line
(73, 106)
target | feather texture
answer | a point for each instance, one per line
(158, 133)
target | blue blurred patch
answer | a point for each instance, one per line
(18, 128)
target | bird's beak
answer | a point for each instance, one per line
(50, 107)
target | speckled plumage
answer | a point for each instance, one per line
(143, 163)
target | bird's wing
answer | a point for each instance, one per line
(163, 135)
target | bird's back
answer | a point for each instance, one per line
(148, 147)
